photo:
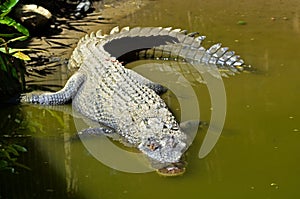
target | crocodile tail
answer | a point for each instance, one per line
(227, 61)
(174, 44)
(164, 42)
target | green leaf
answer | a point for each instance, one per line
(2, 153)
(22, 166)
(14, 50)
(6, 6)
(3, 164)
(14, 73)
(12, 150)
(13, 159)
(3, 50)
(9, 35)
(21, 56)
(19, 148)
(11, 22)
(2, 64)
(6, 154)
(20, 38)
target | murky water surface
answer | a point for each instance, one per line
(257, 155)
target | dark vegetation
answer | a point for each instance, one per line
(18, 61)
(11, 142)
(12, 69)
(14, 33)
(11, 59)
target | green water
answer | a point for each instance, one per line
(257, 155)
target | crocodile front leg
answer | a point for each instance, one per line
(62, 96)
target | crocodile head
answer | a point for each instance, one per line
(165, 154)
(166, 149)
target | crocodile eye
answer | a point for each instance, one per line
(152, 146)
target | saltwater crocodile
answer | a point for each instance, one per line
(124, 102)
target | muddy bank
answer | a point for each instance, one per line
(47, 69)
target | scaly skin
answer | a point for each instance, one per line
(124, 102)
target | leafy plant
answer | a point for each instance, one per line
(9, 152)
(11, 31)
(21, 34)
(13, 142)
(5, 8)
